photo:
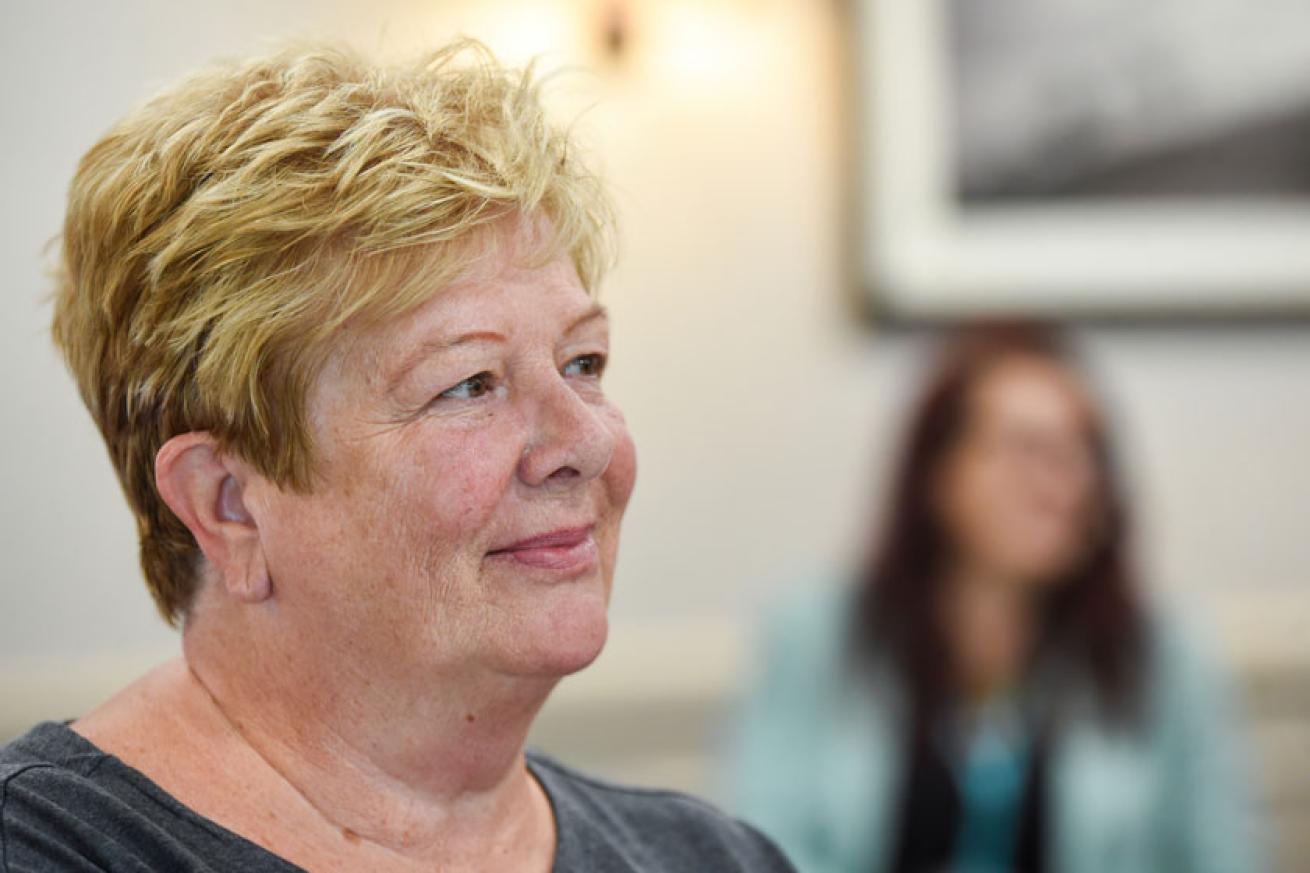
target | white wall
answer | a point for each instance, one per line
(762, 409)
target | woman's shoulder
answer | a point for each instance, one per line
(50, 796)
(811, 621)
(44, 787)
(1179, 638)
(48, 744)
(66, 804)
(48, 760)
(1187, 666)
(605, 826)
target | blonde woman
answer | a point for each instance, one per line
(337, 326)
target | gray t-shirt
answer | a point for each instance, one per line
(66, 805)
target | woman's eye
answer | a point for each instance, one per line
(471, 388)
(585, 365)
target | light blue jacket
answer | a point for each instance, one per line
(816, 763)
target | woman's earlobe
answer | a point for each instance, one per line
(253, 584)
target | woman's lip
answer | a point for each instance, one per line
(562, 538)
(572, 550)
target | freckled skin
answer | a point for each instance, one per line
(388, 554)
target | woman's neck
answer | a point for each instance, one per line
(990, 624)
(416, 764)
(307, 757)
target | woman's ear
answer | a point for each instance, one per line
(206, 491)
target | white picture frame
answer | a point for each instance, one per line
(923, 256)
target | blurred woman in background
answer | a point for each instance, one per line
(993, 694)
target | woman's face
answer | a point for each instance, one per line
(1018, 492)
(472, 479)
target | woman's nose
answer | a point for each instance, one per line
(569, 442)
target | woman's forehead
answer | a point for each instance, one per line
(1031, 389)
(512, 296)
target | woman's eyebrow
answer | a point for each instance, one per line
(593, 312)
(438, 344)
(435, 346)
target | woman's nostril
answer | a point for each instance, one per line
(564, 474)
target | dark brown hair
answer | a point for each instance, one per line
(1093, 615)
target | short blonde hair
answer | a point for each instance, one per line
(219, 237)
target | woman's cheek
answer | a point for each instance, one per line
(466, 472)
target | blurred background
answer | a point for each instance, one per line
(765, 375)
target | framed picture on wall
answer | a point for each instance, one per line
(1084, 158)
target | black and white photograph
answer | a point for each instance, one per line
(1115, 98)
(1086, 158)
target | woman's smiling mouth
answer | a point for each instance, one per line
(566, 550)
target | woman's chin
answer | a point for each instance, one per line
(562, 635)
